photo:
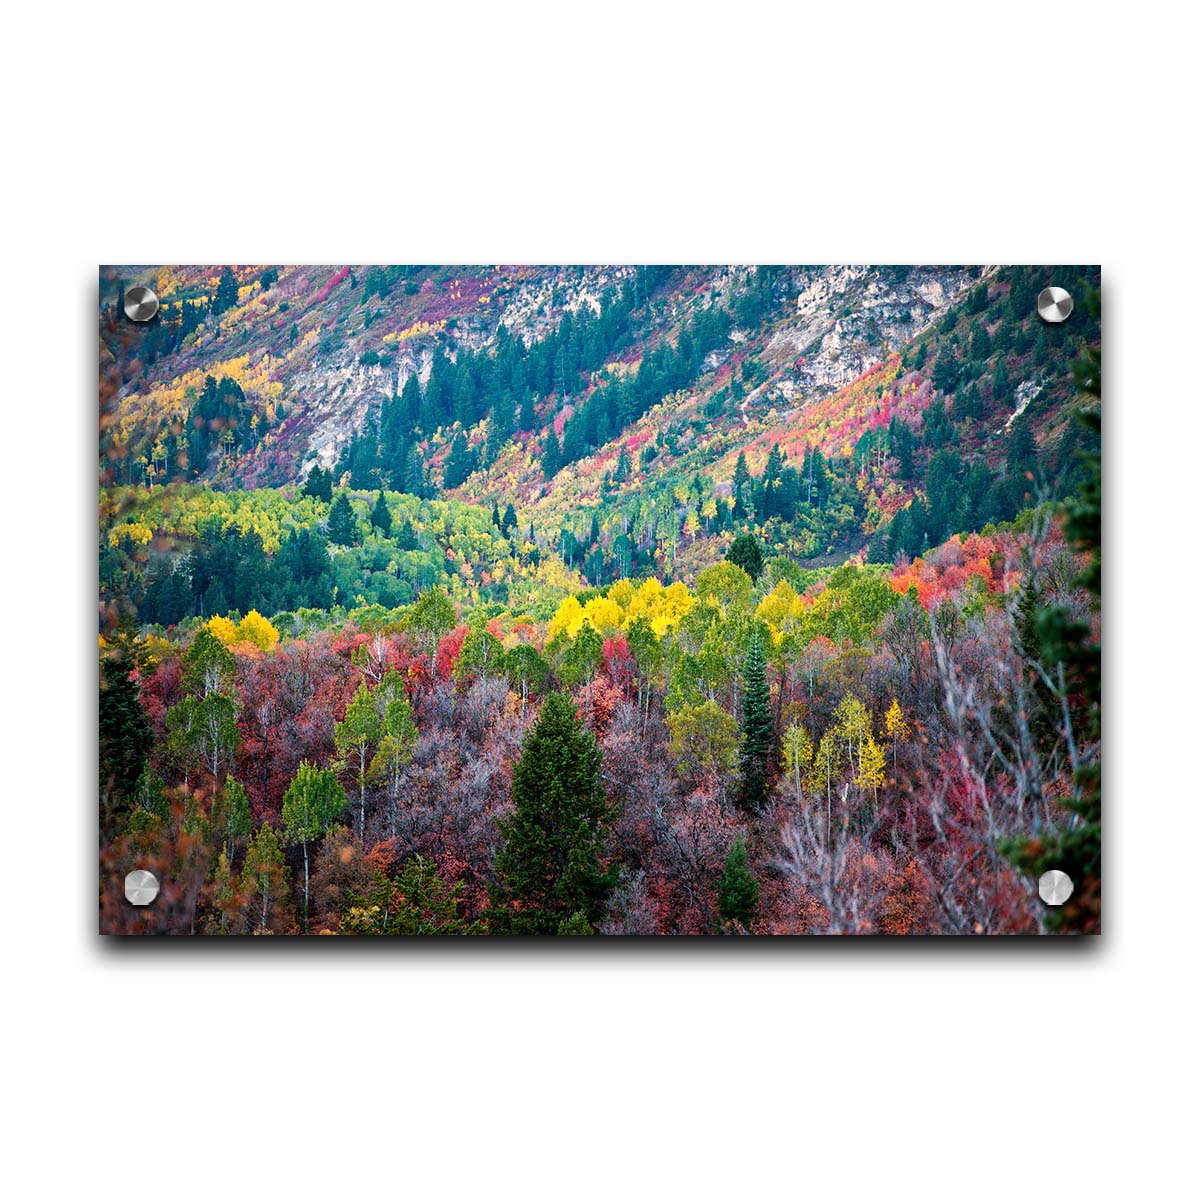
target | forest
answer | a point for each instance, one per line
(831, 674)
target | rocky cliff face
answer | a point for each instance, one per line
(847, 319)
(325, 350)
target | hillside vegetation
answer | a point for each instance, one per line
(573, 600)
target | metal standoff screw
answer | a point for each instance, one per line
(140, 304)
(1055, 887)
(140, 887)
(1055, 305)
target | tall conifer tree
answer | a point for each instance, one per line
(550, 872)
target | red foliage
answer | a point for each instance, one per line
(448, 651)
(945, 571)
(597, 701)
(617, 664)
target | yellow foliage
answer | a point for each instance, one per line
(257, 630)
(136, 531)
(782, 608)
(605, 615)
(224, 630)
(621, 592)
(568, 619)
(415, 330)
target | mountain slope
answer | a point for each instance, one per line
(633, 417)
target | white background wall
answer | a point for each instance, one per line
(1028, 132)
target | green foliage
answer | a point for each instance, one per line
(232, 819)
(125, 736)
(354, 737)
(756, 729)
(208, 665)
(746, 552)
(432, 617)
(551, 866)
(343, 526)
(738, 896)
(381, 517)
(265, 877)
(312, 804)
(419, 902)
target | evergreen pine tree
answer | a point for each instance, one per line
(125, 736)
(551, 456)
(460, 462)
(550, 871)
(227, 292)
(527, 417)
(756, 729)
(738, 896)
(747, 554)
(381, 517)
(343, 529)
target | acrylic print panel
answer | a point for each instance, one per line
(599, 600)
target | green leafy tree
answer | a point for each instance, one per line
(231, 818)
(737, 899)
(354, 737)
(726, 584)
(202, 731)
(583, 656)
(265, 876)
(431, 617)
(551, 866)
(226, 917)
(481, 656)
(313, 802)
(704, 738)
(525, 670)
(756, 728)
(208, 665)
(398, 737)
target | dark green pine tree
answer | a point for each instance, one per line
(460, 463)
(509, 520)
(738, 896)
(381, 517)
(741, 485)
(125, 736)
(747, 554)
(526, 419)
(227, 292)
(756, 729)
(319, 485)
(343, 529)
(946, 372)
(550, 872)
(551, 456)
